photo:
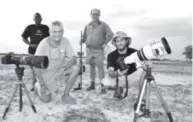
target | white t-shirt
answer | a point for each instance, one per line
(57, 58)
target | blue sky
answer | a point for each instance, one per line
(143, 20)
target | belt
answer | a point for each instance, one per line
(95, 48)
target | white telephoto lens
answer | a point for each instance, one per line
(131, 59)
(153, 50)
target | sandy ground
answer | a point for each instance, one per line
(174, 81)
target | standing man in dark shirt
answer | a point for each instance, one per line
(36, 32)
(122, 42)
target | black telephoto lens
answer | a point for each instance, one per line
(35, 61)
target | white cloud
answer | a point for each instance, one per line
(16, 15)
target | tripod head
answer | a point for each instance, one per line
(19, 71)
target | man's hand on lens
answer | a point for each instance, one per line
(33, 45)
(121, 73)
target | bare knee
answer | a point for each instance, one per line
(46, 98)
(141, 76)
(99, 63)
(75, 70)
(92, 66)
(142, 72)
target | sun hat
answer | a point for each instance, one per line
(121, 34)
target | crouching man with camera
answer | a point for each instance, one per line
(117, 76)
(62, 67)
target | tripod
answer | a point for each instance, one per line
(146, 88)
(19, 71)
(82, 67)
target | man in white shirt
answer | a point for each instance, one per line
(62, 65)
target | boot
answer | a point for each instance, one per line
(103, 90)
(32, 89)
(118, 92)
(91, 87)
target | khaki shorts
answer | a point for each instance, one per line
(94, 56)
(133, 78)
(58, 80)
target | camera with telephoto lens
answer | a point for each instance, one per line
(153, 50)
(36, 61)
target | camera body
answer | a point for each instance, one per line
(121, 65)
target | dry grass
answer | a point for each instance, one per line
(94, 107)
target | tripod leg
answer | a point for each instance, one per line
(165, 106)
(27, 93)
(147, 109)
(127, 86)
(20, 97)
(81, 73)
(79, 84)
(82, 69)
(139, 100)
(7, 108)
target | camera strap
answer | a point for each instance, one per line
(127, 86)
(119, 90)
(117, 93)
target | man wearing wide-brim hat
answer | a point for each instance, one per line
(122, 43)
